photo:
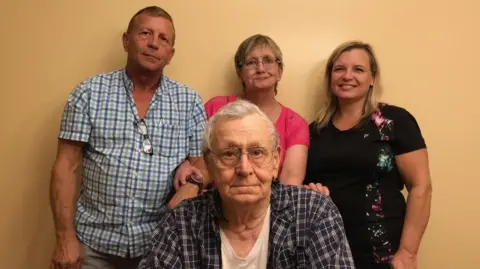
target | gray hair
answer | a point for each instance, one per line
(234, 111)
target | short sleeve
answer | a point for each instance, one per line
(407, 136)
(298, 132)
(196, 127)
(75, 124)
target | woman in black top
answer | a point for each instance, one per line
(365, 152)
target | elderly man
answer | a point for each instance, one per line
(250, 220)
(130, 128)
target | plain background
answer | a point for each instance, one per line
(428, 52)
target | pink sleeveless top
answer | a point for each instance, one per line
(291, 127)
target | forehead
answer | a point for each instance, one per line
(354, 56)
(260, 51)
(247, 132)
(152, 22)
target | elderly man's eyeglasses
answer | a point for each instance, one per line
(258, 156)
(267, 62)
(141, 127)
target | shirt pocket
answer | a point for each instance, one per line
(167, 139)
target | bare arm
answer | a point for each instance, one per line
(414, 168)
(63, 187)
(294, 166)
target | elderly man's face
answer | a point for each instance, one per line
(247, 178)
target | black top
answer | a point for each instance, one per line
(358, 166)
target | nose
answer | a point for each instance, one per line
(348, 75)
(244, 167)
(260, 68)
(152, 42)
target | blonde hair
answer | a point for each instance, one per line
(252, 42)
(329, 108)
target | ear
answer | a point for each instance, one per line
(171, 55)
(276, 161)
(280, 73)
(125, 41)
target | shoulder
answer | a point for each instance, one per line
(181, 90)
(192, 211)
(314, 204)
(293, 116)
(97, 84)
(393, 112)
(220, 100)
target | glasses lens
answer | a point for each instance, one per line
(147, 146)
(142, 127)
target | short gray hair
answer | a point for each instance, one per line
(234, 111)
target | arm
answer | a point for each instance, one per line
(63, 187)
(165, 250)
(297, 141)
(63, 191)
(328, 246)
(414, 168)
(194, 163)
(293, 171)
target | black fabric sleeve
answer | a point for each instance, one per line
(407, 134)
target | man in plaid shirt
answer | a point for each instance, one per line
(126, 131)
(249, 220)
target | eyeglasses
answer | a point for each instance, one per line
(267, 62)
(230, 157)
(146, 143)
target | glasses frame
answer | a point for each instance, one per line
(147, 146)
(275, 60)
(241, 152)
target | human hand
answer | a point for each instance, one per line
(404, 260)
(185, 191)
(319, 188)
(184, 170)
(67, 254)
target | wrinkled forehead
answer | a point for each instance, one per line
(251, 131)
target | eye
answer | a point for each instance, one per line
(338, 68)
(144, 32)
(164, 38)
(228, 154)
(359, 69)
(251, 63)
(257, 152)
(268, 60)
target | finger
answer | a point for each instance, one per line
(319, 187)
(306, 186)
(312, 186)
(176, 183)
(327, 191)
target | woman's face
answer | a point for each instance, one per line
(260, 70)
(351, 76)
(243, 161)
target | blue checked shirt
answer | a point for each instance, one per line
(306, 232)
(122, 191)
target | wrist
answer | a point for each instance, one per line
(195, 181)
(68, 235)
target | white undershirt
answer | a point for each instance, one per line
(258, 255)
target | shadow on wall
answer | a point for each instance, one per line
(316, 97)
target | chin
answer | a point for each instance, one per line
(246, 199)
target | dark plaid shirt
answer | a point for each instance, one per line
(306, 231)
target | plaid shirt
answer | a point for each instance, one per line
(122, 191)
(306, 231)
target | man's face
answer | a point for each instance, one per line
(243, 160)
(149, 43)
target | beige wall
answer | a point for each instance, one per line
(428, 51)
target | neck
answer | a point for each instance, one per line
(245, 217)
(143, 81)
(264, 100)
(350, 109)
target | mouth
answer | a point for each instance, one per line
(347, 86)
(151, 56)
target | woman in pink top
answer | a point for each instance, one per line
(259, 65)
